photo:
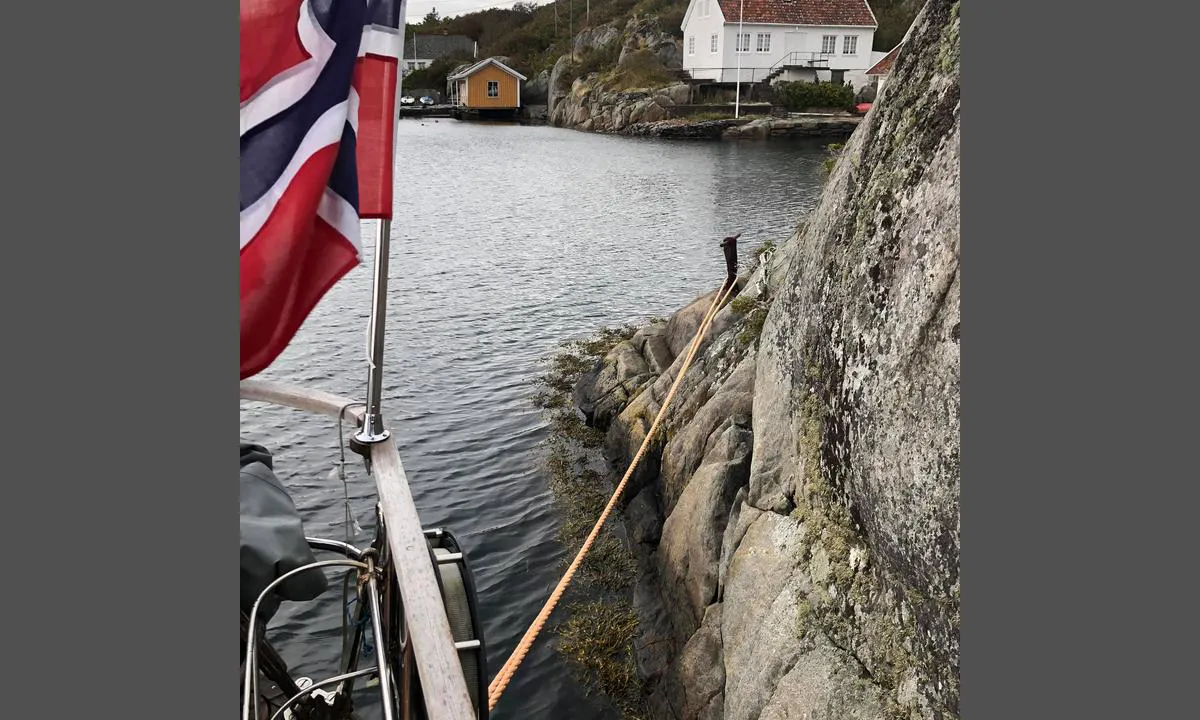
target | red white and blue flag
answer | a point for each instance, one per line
(318, 113)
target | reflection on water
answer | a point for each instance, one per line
(508, 239)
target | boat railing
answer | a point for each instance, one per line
(444, 691)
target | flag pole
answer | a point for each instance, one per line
(373, 430)
(738, 50)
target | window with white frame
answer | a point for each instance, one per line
(828, 44)
(691, 44)
(743, 43)
(849, 44)
(712, 43)
(763, 42)
(493, 88)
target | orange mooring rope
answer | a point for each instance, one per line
(496, 689)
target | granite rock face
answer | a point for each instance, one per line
(644, 33)
(857, 398)
(592, 38)
(587, 104)
(796, 519)
(557, 87)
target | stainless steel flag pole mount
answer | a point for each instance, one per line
(389, 19)
(372, 430)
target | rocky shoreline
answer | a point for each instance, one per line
(795, 524)
(645, 114)
(747, 128)
(590, 107)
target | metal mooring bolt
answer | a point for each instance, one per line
(729, 245)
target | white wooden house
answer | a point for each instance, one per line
(779, 40)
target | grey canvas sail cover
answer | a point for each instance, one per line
(272, 538)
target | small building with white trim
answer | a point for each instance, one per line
(488, 86)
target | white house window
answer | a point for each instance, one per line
(704, 8)
(743, 43)
(850, 44)
(493, 88)
(712, 43)
(828, 44)
(691, 44)
(763, 42)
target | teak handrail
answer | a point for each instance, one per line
(443, 685)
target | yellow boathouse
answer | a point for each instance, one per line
(487, 88)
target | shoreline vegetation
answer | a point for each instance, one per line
(598, 625)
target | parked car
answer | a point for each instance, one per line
(407, 100)
(426, 100)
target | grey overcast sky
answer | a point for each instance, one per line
(417, 9)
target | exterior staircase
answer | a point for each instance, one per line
(807, 60)
(775, 72)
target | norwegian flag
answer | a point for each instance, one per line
(318, 113)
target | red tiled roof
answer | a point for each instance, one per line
(884, 66)
(800, 12)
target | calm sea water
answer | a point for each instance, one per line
(508, 240)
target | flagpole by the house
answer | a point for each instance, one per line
(373, 430)
(738, 50)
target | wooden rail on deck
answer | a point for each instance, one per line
(442, 683)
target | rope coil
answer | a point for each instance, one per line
(504, 676)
